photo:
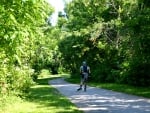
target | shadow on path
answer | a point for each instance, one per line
(97, 100)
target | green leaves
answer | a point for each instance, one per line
(20, 30)
(108, 34)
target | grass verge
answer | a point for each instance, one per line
(42, 99)
(138, 91)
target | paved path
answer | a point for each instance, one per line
(96, 100)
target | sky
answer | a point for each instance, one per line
(59, 6)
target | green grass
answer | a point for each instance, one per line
(42, 98)
(138, 91)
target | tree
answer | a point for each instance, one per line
(112, 36)
(139, 26)
(21, 22)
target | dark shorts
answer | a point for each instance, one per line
(84, 77)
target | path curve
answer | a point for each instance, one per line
(97, 100)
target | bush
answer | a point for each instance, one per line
(139, 74)
(18, 80)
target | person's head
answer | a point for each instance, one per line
(84, 63)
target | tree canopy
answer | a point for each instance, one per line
(21, 28)
(111, 35)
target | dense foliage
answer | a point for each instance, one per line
(112, 36)
(21, 35)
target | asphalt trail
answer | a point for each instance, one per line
(97, 100)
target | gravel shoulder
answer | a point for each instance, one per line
(97, 100)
